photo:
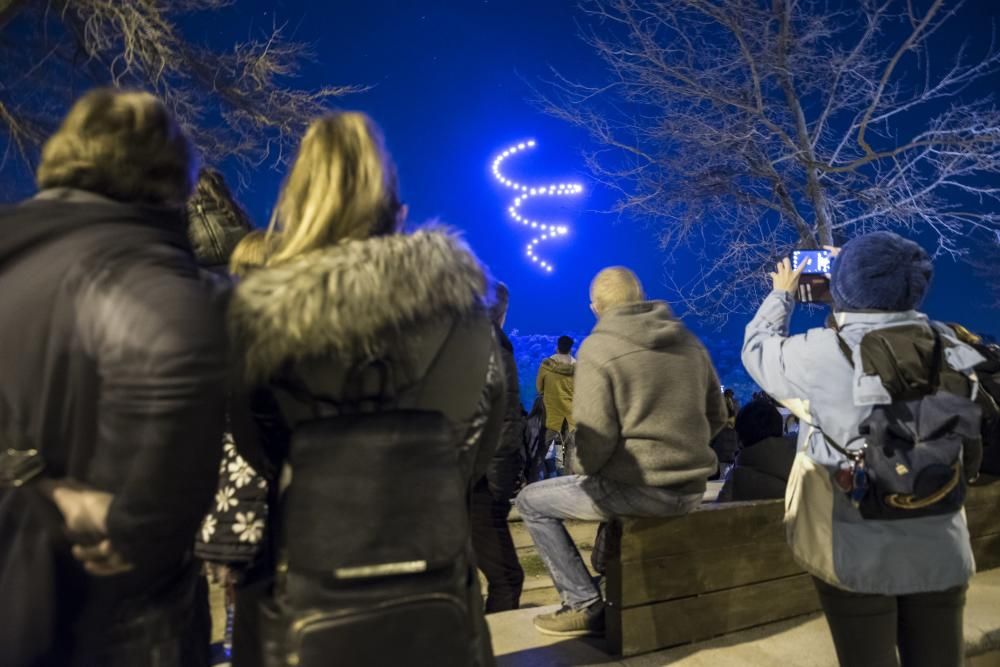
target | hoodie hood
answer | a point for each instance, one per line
(356, 300)
(56, 212)
(647, 324)
(560, 364)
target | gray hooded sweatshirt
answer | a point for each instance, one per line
(647, 401)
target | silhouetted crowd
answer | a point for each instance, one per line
(323, 420)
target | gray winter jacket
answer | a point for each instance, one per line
(646, 401)
(810, 375)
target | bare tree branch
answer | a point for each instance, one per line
(739, 130)
(240, 103)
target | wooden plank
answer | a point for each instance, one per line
(652, 627)
(986, 549)
(982, 494)
(983, 520)
(682, 575)
(724, 524)
(713, 527)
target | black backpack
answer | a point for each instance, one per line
(989, 400)
(910, 462)
(374, 568)
(374, 565)
(535, 445)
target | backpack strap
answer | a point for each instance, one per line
(937, 360)
(937, 355)
(845, 349)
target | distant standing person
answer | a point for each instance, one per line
(732, 406)
(555, 384)
(492, 542)
(647, 402)
(726, 444)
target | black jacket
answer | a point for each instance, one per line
(213, 233)
(505, 468)
(989, 402)
(114, 364)
(369, 325)
(761, 471)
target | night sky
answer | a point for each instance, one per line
(450, 85)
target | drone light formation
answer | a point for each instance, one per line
(542, 231)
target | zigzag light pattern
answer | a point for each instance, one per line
(544, 232)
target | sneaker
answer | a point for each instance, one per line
(567, 622)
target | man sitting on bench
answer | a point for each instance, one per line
(647, 402)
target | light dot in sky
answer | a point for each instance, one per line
(525, 192)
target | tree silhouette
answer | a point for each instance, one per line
(238, 103)
(745, 128)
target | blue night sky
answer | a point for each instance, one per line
(450, 81)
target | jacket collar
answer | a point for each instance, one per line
(356, 300)
(878, 317)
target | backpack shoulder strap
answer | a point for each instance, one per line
(845, 349)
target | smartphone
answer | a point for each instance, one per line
(814, 285)
(820, 261)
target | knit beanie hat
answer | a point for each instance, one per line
(758, 420)
(880, 271)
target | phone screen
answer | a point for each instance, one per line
(814, 285)
(820, 261)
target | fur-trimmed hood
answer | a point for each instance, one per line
(356, 300)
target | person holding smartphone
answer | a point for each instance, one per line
(884, 585)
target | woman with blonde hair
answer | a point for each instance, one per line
(377, 349)
(250, 253)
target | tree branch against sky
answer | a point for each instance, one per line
(742, 129)
(239, 103)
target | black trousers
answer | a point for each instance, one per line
(169, 629)
(867, 630)
(494, 547)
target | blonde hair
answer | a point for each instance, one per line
(613, 287)
(121, 144)
(250, 253)
(342, 186)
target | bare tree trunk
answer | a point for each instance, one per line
(814, 189)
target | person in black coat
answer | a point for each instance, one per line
(351, 317)
(233, 531)
(216, 221)
(496, 555)
(765, 460)
(114, 355)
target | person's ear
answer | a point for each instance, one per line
(593, 309)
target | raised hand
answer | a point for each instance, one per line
(784, 278)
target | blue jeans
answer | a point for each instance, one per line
(555, 457)
(544, 505)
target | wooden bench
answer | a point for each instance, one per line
(726, 567)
